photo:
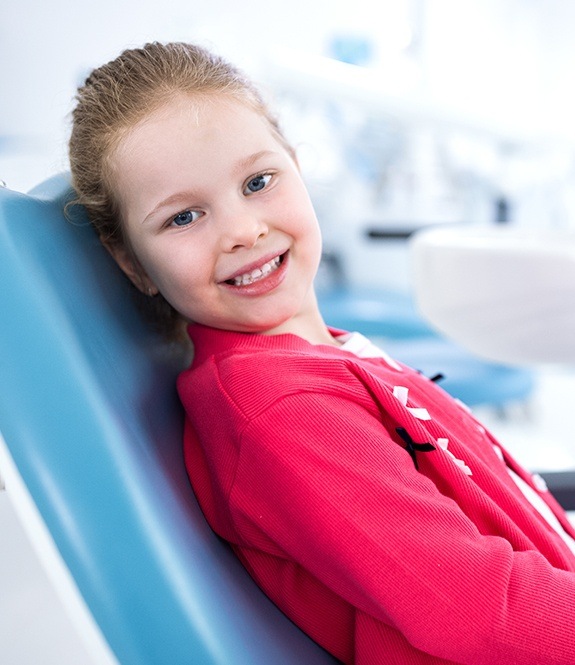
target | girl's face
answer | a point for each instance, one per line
(217, 217)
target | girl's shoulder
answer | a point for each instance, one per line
(271, 373)
(281, 368)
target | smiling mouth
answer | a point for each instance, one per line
(258, 273)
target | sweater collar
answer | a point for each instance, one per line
(211, 341)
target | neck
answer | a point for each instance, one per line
(307, 324)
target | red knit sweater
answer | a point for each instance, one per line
(311, 462)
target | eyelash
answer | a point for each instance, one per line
(257, 176)
(181, 214)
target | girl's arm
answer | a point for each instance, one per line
(335, 494)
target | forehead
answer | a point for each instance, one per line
(186, 145)
(199, 122)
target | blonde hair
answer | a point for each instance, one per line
(121, 93)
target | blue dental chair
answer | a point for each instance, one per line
(91, 423)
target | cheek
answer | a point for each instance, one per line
(162, 265)
(182, 273)
(306, 226)
(173, 276)
(296, 204)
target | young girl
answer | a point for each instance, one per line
(372, 508)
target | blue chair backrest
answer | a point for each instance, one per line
(90, 416)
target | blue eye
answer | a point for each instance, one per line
(257, 183)
(186, 217)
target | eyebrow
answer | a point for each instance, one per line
(252, 159)
(164, 203)
(239, 167)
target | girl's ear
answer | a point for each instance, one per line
(131, 268)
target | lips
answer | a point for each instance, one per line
(255, 272)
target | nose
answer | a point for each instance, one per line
(243, 230)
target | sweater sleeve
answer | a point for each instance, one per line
(320, 481)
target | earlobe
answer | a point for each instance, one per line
(131, 268)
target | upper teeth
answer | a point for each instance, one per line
(258, 273)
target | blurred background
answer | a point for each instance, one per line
(404, 113)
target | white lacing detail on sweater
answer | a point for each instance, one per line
(401, 393)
